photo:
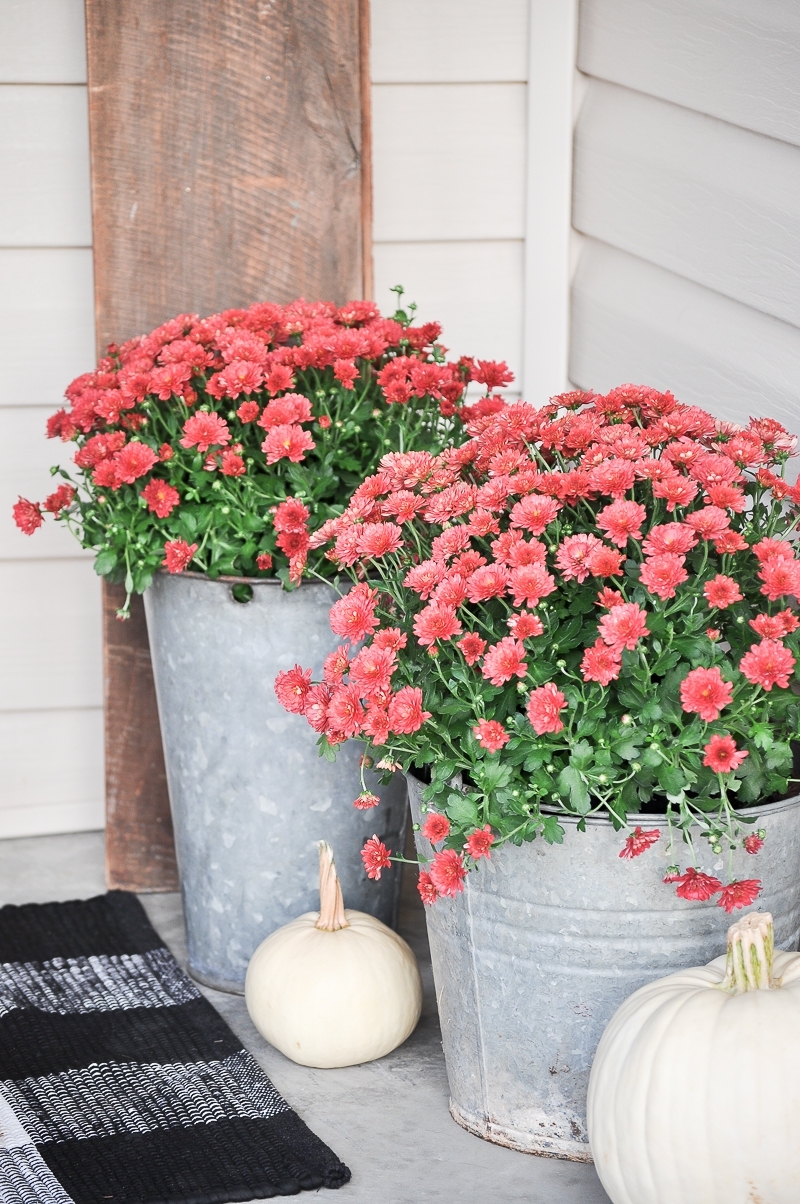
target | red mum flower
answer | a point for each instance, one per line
(404, 505)
(371, 671)
(405, 711)
(366, 801)
(472, 647)
(376, 857)
(204, 431)
(448, 873)
(345, 372)
(287, 441)
(739, 894)
(676, 490)
(526, 626)
(427, 891)
(722, 591)
(263, 561)
(768, 550)
(345, 711)
(105, 475)
(544, 709)
(609, 597)
(605, 562)
(293, 543)
(727, 497)
(436, 827)
(504, 660)
(232, 464)
(178, 554)
(379, 539)
(704, 692)
(290, 515)
(436, 622)
(709, 523)
(27, 516)
(775, 627)
(335, 665)
(613, 477)
(534, 513)
(490, 734)
(601, 663)
(729, 542)
(573, 557)
(530, 583)
(663, 574)
(423, 578)
(279, 379)
(768, 664)
(638, 842)
(623, 626)
(161, 498)
(622, 521)
(353, 616)
(479, 843)
(286, 411)
(248, 411)
(492, 373)
(292, 687)
(669, 537)
(753, 843)
(780, 577)
(376, 723)
(487, 582)
(694, 885)
(133, 461)
(60, 499)
(452, 591)
(390, 637)
(721, 754)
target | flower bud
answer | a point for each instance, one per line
(626, 719)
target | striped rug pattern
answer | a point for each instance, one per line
(120, 1082)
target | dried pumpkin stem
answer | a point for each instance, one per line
(751, 944)
(331, 903)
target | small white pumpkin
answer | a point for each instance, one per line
(694, 1095)
(333, 987)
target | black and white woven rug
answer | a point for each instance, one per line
(120, 1082)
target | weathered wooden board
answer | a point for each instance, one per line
(706, 199)
(632, 321)
(735, 59)
(227, 167)
(226, 138)
(140, 851)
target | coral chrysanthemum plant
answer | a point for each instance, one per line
(222, 444)
(587, 608)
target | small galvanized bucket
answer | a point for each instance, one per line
(249, 793)
(546, 942)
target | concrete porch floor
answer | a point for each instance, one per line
(388, 1120)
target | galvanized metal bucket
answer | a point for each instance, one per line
(250, 795)
(546, 942)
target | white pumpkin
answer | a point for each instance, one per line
(333, 987)
(694, 1095)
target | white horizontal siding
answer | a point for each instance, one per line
(632, 321)
(27, 473)
(44, 150)
(711, 201)
(47, 322)
(474, 289)
(50, 641)
(42, 42)
(734, 59)
(466, 180)
(449, 41)
(51, 742)
(52, 774)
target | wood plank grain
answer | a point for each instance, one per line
(706, 199)
(227, 167)
(140, 850)
(734, 59)
(632, 321)
(226, 140)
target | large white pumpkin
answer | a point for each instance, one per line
(694, 1095)
(334, 987)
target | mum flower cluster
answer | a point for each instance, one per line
(585, 608)
(222, 444)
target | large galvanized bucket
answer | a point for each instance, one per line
(546, 942)
(250, 795)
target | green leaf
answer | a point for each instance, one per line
(462, 810)
(571, 783)
(454, 706)
(105, 562)
(582, 754)
(552, 830)
(494, 774)
(671, 779)
(628, 750)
